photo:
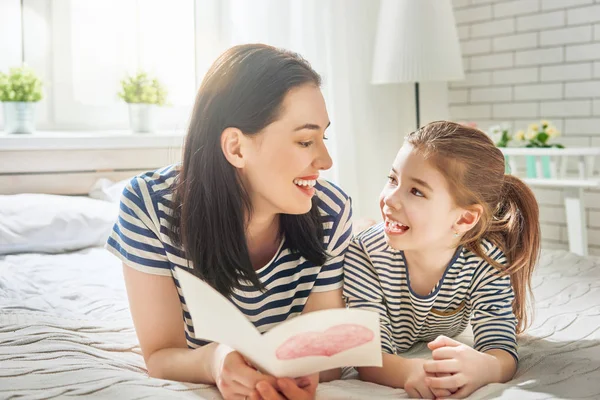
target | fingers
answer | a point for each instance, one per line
(462, 393)
(441, 393)
(425, 392)
(420, 391)
(444, 353)
(249, 377)
(268, 392)
(254, 396)
(442, 341)
(238, 388)
(291, 390)
(442, 366)
(303, 382)
(446, 382)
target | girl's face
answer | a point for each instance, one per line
(284, 160)
(416, 205)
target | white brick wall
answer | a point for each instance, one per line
(527, 60)
(536, 57)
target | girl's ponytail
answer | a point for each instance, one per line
(516, 224)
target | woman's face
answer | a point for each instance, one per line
(416, 204)
(285, 158)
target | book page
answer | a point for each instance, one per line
(217, 319)
(302, 345)
(323, 340)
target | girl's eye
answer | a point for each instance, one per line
(416, 192)
(305, 144)
(391, 179)
(325, 137)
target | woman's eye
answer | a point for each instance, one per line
(416, 192)
(391, 179)
(325, 137)
(305, 144)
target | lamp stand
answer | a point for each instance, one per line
(417, 105)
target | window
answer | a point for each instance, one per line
(83, 48)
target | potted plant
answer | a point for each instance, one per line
(144, 94)
(539, 136)
(501, 136)
(20, 89)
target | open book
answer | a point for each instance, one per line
(303, 345)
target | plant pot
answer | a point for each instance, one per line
(142, 117)
(19, 117)
(532, 167)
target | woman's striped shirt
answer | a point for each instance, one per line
(377, 279)
(140, 238)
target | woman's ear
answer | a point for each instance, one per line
(231, 145)
(468, 218)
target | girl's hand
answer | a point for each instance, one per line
(304, 388)
(415, 383)
(234, 376)
(468, 368)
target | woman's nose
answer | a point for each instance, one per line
(323, 160)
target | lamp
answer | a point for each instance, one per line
(416, 42)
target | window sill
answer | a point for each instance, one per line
(66, 140)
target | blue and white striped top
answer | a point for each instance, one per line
(377, 279)
(140, 239)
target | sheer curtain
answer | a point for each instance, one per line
(336, 37)
(83, 47)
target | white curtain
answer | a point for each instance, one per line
(336, 37)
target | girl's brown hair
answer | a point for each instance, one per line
(474, 168)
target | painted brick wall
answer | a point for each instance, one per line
(527, 60)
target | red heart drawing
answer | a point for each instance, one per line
(333, 341)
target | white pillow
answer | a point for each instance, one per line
(107, 190)
(32, 223)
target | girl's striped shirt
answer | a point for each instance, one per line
(377, 279)
(140, 238)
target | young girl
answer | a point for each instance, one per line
(246, 212)
(458, 242)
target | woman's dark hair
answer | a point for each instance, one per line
(244, 89)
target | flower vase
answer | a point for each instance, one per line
(142, 117)
(19, 117)
(532, 167)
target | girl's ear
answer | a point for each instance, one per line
(468, 218)
(231, 145)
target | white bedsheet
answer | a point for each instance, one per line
(65, 330)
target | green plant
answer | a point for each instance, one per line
(142, 88)
(21, 84)
(539, 135)
(500, 134)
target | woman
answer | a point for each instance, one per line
(245, 212)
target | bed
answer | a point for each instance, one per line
(65, 327)
(65, 330)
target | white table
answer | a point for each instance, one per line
(572, 185)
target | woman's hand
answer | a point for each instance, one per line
(234, 376)
(304, 388)
(415, 383)
(467, 368)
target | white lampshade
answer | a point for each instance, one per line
(416, 42)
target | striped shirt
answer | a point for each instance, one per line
(377, 279)
(140, 239)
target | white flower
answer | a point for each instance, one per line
(534, 127)
(553, 132)
(519, 135)
(494, 130)
(531, 134)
